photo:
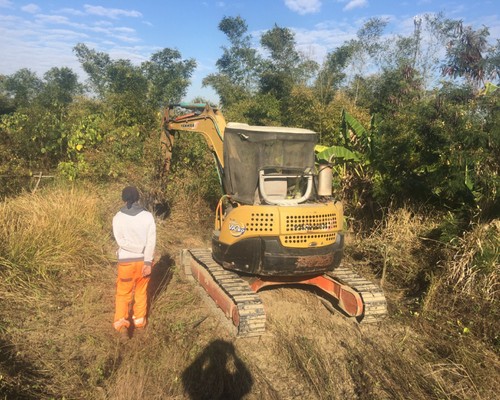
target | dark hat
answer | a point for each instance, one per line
(130, 194)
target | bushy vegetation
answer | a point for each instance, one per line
(415, 144)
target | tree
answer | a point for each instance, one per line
(467, 53)
(238, 66)
(60, 86)
(6, 102)
(285, 66)
(332, 75)
(137, 92)
(23, 86)
(168, 76)
(126, 94)
(350, 61)
(95, 64)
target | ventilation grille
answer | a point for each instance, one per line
(320, 239)
(262, 222)
(312, 222)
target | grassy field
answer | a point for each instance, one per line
(57, 273)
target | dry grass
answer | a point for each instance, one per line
(474, 269)
(56, 307)
(467, 291)
(52, 262)
(397, 248)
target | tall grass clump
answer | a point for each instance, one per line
(48, 236)
(469, 286)
(54, 281)
(399, 250)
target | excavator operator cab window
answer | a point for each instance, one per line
(288, 186)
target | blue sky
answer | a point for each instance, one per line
(41, 34)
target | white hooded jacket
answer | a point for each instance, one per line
(134, 230)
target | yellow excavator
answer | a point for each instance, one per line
(276, 224)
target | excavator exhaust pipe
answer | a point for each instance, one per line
(325, 180)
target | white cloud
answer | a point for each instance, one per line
(355, 4)
(71, 11)
(112, 13)
(30, 8)
(304, 6)
(41, 41)
(52, 19)
(5, 4)
(318, 42)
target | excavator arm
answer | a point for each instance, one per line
(198, 118)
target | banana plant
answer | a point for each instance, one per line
(358, 144)
(350, 162)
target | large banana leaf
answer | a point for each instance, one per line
(364, 137)
(327, 154)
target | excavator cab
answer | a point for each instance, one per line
(269, 165)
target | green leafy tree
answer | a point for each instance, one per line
(23, 87)
(332, 74)
(96, 65)
(137, 92)
(168, 77)
(60, 86)
(6, 102)
(127, 90)
(238, 66)
(285, 67)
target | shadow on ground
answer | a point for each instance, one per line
(19, 379)
(217, 373)
(161, 275)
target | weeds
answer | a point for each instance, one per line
(398, 251)
(57, 298)
(475, 267)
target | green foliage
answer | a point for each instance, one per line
(441, 150)
(167, 77)
(285, 66)
(36, 135)
(99, 144)
(332, 74)
(261, 109)
(329, 154)
(61, 86)
(53, 128)
(237, 66)
(193, 171)
(23, 86)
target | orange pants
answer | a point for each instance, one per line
(131, 285)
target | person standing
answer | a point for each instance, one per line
(134, 230)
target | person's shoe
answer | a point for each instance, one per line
(139, 323)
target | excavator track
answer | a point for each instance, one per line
(240, 302)
(374, 303)
(235, 297)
